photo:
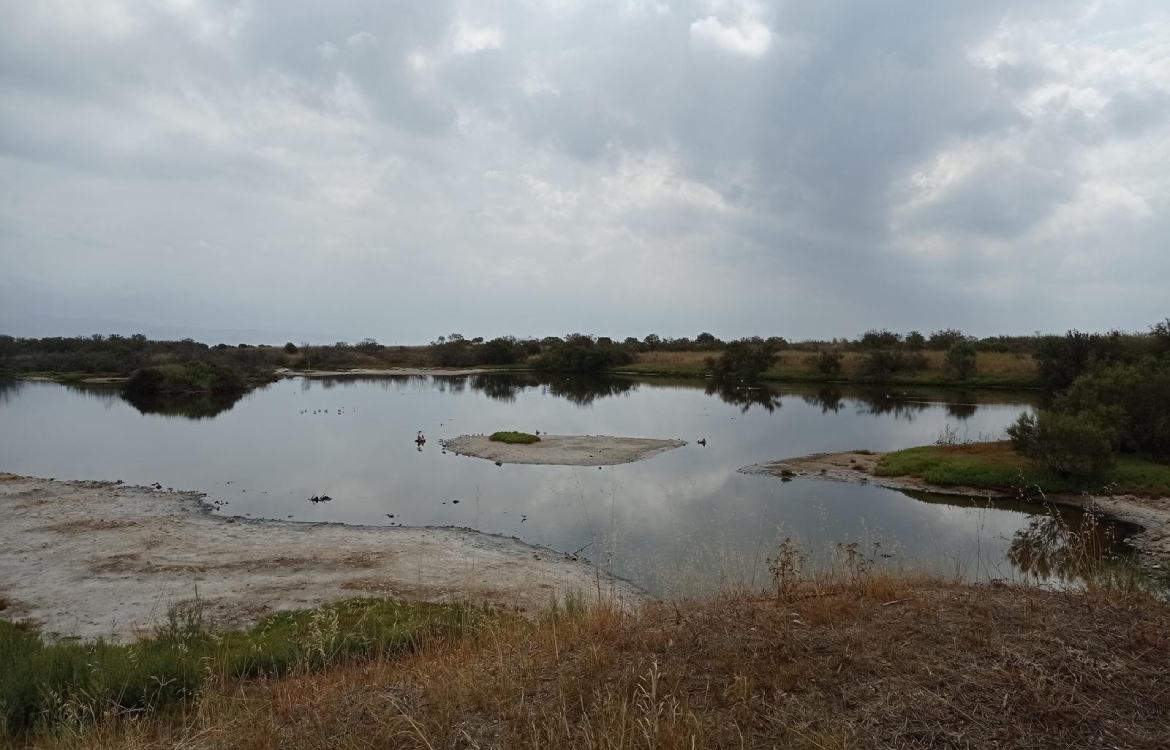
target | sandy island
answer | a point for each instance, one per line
(563, 450)
(1152, 514)
(102, 559)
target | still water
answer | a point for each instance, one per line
(674, 523)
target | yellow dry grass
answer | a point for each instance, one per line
(876, 661)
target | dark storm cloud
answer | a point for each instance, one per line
(408, 169)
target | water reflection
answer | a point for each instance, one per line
(687, 509)
(828, 399)
(1068, 547)
(191, 406)
(745, 396)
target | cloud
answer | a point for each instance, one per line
(807, 169)
(747, 37)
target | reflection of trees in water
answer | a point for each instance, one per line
(880, 404)
(961, 411)
(8, 389)
(829, 399)
(193, 406)
(1063, 548)
(744, 396)
(385, 382)
(584, 391)
(581, 391)
(499, 388)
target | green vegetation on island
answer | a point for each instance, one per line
(514, 438)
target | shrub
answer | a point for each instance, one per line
(882, 339)
(581, 354)
(501, 351)
(744, 361)
(189, 377)
(1062, 359)
(961, 359)
(1072, 445)
(1134, 397)
(945, 339)
(881, 365)
(514, 438)
(827, 362)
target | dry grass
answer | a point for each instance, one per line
(992, 367)
(872, 661)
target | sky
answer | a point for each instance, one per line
(270, 170)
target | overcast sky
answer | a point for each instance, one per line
(310, 170)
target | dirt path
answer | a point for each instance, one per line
(563, 450)
(103, 559)
(1152, 514)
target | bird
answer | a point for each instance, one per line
(702, 441)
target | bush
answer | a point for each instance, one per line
(1062, 359)
(189, 377)
(501, 351)
(961, 359)
(743, 361)
(881, 365)
(827, 362)
(581, 354)
(1071, 445)
(1135, 398)
(514, 438)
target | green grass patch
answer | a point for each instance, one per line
(996, 466)
(43, 682)
(514, 438)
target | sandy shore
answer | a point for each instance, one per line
(101, 559)
(1150, 513)
(563, 450)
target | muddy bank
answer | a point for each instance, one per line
(562, 450)
(1151, 514)
(104, 559)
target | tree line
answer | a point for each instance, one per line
(1060, 358)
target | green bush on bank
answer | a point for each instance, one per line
(742, 360)
(1120, 407)
(1069, 444)
(579, 353)
(188, 377)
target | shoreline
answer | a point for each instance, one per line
(100, 559)
(1151, 515)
